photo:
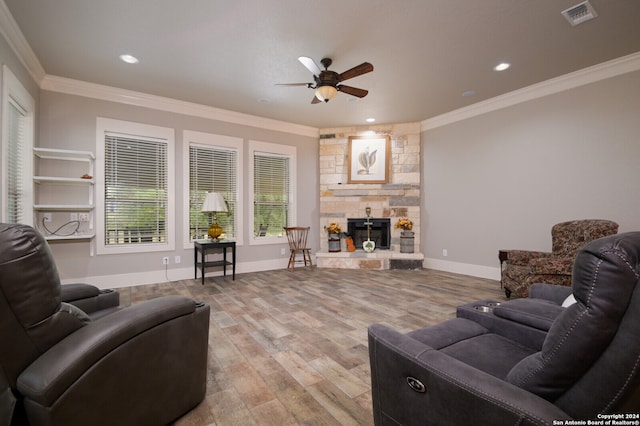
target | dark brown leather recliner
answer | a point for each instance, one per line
(145, 364)
(93, 301)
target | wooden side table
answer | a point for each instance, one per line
(203, 246)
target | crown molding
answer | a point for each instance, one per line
(129, 97)
(15, 39)
(572, 80)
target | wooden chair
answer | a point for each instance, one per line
(297, 237)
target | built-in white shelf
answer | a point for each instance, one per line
(63, 180)
(63, 154)
(63, 207)
(69, 237)
(71, 168)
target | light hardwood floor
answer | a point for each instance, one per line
(290, 348)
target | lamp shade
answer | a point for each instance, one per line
(214, 202)
(326, 93)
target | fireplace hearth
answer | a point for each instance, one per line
(380, 231)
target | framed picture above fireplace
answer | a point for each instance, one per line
(368, 159)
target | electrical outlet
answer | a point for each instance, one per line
(176, 260)
(46, 217)
(283, 252)
(83, 217)
(165, 260)
(444, 253)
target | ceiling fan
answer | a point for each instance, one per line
(327, 83)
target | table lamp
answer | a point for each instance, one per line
(214, 203)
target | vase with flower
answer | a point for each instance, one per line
(406, 234)
(333, 232)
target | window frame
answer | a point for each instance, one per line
(191, 137)
(143, 131)
(14, 92)
(278, 150)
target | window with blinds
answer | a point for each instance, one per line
(271, 193)
(15, 159)
(135, 190)
(212, 169)
(16, 168)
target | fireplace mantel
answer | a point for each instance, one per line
(400, 197)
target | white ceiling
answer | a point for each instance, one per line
(231, 54)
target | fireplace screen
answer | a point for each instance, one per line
(380, 231)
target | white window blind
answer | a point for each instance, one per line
(135, 190)
(15, 160)
(272, 188)
(16, 145)
(212, 169)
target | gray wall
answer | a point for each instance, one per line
(502, 179)
(68, 121)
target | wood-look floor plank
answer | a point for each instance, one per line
(250, 386)
(225, 352)
(273, 413)
(344, 409)
(300, 370)
(290, 348)
(339, 376)
(228, 408)
(299, 402)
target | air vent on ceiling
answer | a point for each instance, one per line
(580, 13)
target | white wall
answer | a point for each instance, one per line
(502, 179)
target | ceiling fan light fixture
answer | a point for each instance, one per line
(326, 93)
(129, 59)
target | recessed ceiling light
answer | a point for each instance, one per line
(469, 93)
(130, 59)
(264, 100)
(502, 66)
(370, 120)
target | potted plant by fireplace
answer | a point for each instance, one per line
(333, 231)
(406, 235)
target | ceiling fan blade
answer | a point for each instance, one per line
(315, 100)
(310, 64)
(363, 68)
(295, 84)
(354, 91)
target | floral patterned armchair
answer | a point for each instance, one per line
(523, 268)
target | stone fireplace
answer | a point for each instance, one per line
(400, 197)
(376, 229)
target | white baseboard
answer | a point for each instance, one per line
(172, 274)
(463, 268)
(186, 273)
